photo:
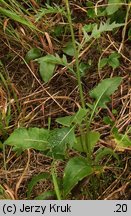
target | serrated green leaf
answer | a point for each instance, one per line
(22, 139)
(102, 93)
(34, 181)
(96, 32)
(113, 6)
(49, 10)
(32, 54)
(76, 169)
(102, 152)
(92, 137)
(104, 90)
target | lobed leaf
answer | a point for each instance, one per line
(104, 90)
(104, 27)
(102, 93)
(98, 30)
(49, 10)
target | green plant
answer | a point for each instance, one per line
(14, 16)
(56, 143)
(113, 6)
(49, 10)
(4, 194)
(112, 60)
(5, 93)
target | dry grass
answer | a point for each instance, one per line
(32, 102)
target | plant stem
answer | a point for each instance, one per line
(125, 27)
(75, 53)
(5, 162)
(55, 182)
